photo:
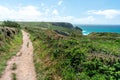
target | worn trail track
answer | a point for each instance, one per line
(23, 62)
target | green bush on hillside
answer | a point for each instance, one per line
(11, 24)
(92, 57)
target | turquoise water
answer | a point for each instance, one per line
(99, 28)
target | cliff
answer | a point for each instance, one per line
(63, 24)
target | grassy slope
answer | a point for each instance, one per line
(0, 22)
(9, 49)
(74, 57)
(42, 25)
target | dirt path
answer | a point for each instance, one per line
(21, 66)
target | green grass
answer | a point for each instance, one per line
(75, 57)
(9, 49)
(28, 44)
(14, 76)
(0, 22)
(44, 25)
(14, 67)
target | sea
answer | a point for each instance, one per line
(99, 28)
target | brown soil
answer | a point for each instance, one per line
(22, 64)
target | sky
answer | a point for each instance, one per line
(73, 11)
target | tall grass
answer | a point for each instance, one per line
(9, 49)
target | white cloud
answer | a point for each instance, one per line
(5, 12)
(47, 11)
(60, 2)
(31, 13)
(72, 19)
(23, 13)
(88, 20)
(109, 14)
(55, 12)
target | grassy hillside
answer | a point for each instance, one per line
(0, 22)
(50, 26)
(10, 41)
(75, 57)
(63, 53)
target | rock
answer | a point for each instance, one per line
(8, 32)
(62, 33)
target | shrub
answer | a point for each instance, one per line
(10, 24)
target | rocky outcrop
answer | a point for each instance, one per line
(7, 32)
(78, 28)
(62, 33)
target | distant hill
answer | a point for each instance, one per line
(58, 27)
(62, 24)
(104, 34)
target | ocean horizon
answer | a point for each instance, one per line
(87, 29)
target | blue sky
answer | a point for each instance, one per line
(74, 11)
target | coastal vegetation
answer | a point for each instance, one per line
(62, 52)
(10, 41)
(74, 57)
(10, 24)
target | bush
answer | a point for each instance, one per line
(10, 24)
